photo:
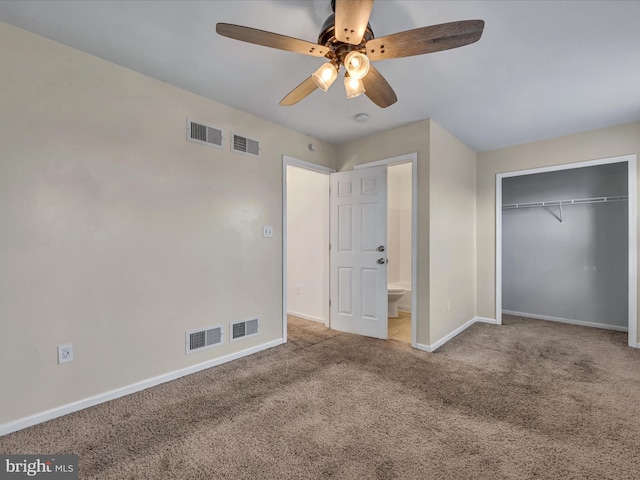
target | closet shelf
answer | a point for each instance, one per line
(562, 203)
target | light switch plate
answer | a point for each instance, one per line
(267, 231)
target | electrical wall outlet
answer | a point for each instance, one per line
(448, 305)
(65, 353)
(267, 231)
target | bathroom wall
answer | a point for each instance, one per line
(307, 244)
(399, 230)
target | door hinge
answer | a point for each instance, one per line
(329, 302)
(329, 247)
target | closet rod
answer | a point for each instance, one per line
(560, 203)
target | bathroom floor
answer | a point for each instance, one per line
(400, 327)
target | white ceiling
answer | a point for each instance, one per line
(541, 69)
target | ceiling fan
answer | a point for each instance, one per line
(346, 39)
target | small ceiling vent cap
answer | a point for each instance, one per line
(244, 145)
(204, 134)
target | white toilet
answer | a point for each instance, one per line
(395, 294)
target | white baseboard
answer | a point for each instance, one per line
(424, 348)
(570, 321)
(434, 346)
(307, 317)
(404, 308)
(446, 338)
(31, 420)
(457, 331)
(487, 320)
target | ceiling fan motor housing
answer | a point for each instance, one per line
(327, 38)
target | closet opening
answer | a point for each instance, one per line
(566, 244)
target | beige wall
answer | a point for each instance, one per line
(604, 143)
(392, 143)
(452, 248)
(119, 235)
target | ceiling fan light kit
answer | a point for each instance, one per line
(353, 86)
(325, 76)
(346, 38)
(357, 64)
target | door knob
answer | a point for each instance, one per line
(380, 248)
(382, 261)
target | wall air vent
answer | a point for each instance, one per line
(243, 329)
(245, 145)
(204, 134)
(202, 339)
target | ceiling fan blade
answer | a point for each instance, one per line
(269, 39)
(425, 40)
(352, 17)
(305, 88)
(378, 89)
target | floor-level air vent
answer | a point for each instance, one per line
(245, 145)
(243, 329)
(204, 134)
(197, 340)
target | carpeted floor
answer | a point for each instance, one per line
(530, 399)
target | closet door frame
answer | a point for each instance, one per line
(633, 236)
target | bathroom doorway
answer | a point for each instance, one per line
(399, 190)
(402, 200)
(403, 251)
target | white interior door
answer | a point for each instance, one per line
(359, 251)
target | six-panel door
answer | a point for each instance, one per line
(358, 251)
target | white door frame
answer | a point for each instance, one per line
(286, 161)
(406, 158)
(633, 240)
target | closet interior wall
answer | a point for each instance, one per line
(570, 264)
